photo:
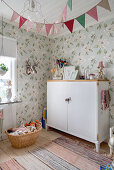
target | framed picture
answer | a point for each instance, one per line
(70, 73)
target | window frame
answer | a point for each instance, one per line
(13, 76)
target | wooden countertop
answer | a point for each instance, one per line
(96, 80)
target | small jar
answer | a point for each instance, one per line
(92, 76)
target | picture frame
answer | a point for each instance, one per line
(70, 73)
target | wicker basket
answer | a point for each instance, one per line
(20, 141)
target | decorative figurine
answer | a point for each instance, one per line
(9, 90)
(29, 68)
(100, 74)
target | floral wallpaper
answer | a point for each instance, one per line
(86, 47)
(31, 88)
(83, 48)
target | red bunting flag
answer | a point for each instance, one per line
(22, 21)
(39, 26)
(29, 25)
(14, 16)
(93, 13)
(53, 28)
(69, 25)
(48, 27)
(65, 12)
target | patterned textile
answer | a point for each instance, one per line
(105, 98)
(84, 150)
(1, 115)
(53, 160)
(11, 165)
(30, 162)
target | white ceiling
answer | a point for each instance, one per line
(52, 9)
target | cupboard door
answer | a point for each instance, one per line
(56, 105)
(82, 109)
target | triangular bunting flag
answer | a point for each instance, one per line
(65, 12)
(104, 4)
(93, 13)
(48, 27)
(29, 25)
(39, 26)
(60, 20)
(69, 25)
(14, 16)
(58, 27)
(69, 3)
(53, 28)
(22, 21)
(81, 20)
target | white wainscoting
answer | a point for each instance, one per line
(9, 112)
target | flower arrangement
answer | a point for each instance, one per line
(54, 70)
(57, 72)
(3, 69)
(60, 63)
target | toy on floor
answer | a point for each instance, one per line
(44, 118)
(24, 129)
(108, 167)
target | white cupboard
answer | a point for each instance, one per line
(75, 108)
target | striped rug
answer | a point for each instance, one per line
(63, 153)
(11, 165)
(30, 162)
(67, 154)
(59, 158)
(52, 160)
(83, 150)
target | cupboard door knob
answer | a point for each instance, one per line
(67, 99)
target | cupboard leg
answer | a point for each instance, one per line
(111, 151)
(97, 146)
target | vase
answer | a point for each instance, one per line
(2, 72)
(8, 94)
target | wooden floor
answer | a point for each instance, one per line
(7, 151)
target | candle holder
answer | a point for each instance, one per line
(100, 67)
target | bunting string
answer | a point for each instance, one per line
(56, 26)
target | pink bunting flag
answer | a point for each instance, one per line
(48, 27)
(65, 12)
(60, 19)
(69, 25)
(93, 13)
(22, 21)
(58, 27)
(14, 16)
(39, 26)
(29, 25)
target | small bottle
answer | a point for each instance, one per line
(85, 74)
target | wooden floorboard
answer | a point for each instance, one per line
(7, 151)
